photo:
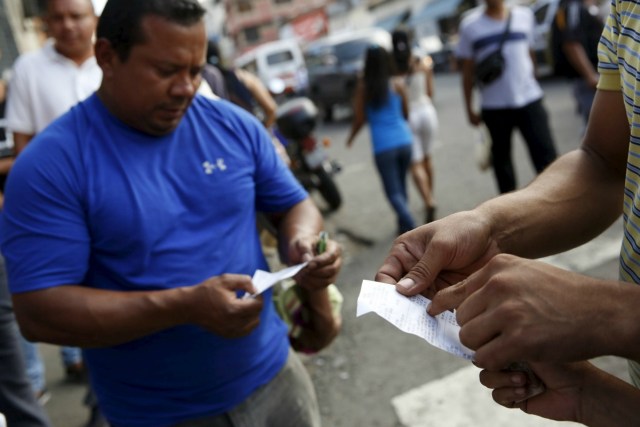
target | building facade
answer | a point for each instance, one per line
(253, 22)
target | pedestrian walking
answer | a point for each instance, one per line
(495, 42)
(417, 73)
(382, 102)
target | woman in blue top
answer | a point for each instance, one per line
(382, 102)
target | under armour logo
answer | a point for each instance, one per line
(210, 167)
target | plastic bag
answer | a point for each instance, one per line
(483, 148)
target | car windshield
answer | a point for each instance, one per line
(352, 50)
(279, 57)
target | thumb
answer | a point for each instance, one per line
(423, 273)
(238, 282)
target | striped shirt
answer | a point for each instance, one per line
(619, 67)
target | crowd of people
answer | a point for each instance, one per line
(153, 249)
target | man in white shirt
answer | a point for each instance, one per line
(49, 81)
(514, 99)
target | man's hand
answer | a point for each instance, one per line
(474, 118)
(516, 309)
(215, 306)
(322, 269)
(561, 399)
(438, 254)
(574, 392)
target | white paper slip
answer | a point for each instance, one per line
(409, 314)
(263, 280)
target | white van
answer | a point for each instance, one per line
(281, 59)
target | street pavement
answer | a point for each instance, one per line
(373, 374)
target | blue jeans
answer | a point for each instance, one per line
(33, 363)
(35, 366)
(17, 400)
(393, 166)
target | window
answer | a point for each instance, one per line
(251, 34)
(244, 5)
(279, 57)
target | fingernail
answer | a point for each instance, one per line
(516, 379)
(407, 283)
(520, 391)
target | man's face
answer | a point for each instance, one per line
(71, 23)
(153, 88)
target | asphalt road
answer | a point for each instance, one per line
(371, 362)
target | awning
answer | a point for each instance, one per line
(436, 9)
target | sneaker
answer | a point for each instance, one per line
(43, 396)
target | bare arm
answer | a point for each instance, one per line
(427, 66)
(400, 88)
(20, 141)
(579, 60)
(261, 95)
(87, 317)
(359, 117)
(468, 67)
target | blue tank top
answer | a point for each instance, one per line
(389, 129)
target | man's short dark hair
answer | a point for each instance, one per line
(121, 20)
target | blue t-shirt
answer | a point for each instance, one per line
(92, 201)
(389, 129)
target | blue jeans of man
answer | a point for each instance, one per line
(393, 166)
(17, 400)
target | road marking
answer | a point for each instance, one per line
(459, 400)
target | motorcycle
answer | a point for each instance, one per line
(296, 120)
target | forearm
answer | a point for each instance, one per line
(20, 141)
(323, 325)
(579, 60)
(573, 201)
(303, 220)
(88, 317)
(608, 401)
(467, 87)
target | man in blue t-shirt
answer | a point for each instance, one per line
(130, 230)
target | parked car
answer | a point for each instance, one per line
(334, 64)
(281, 59)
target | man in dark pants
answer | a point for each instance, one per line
(576, 31)
(17, 401)
(514, 99)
